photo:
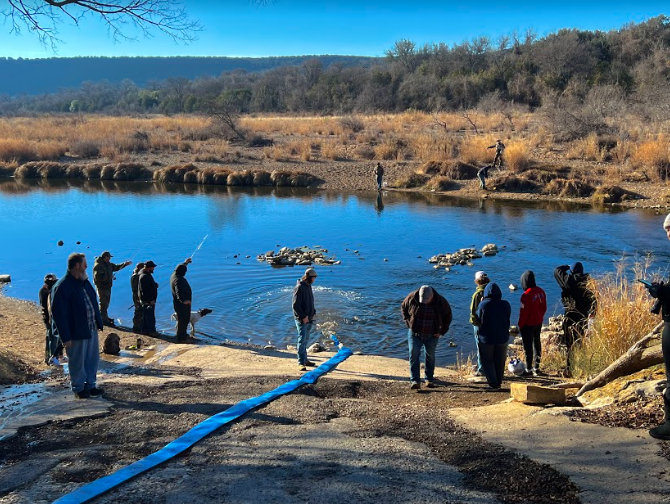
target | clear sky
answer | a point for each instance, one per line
(364, 27)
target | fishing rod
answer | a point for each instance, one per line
(203, 241)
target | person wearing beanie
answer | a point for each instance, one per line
(304, 313)
(579, 303)
(661, 291)
(427, 316)
(53, 353)
(531, 315)
(481, 280)
(494, 315)
(181, 300)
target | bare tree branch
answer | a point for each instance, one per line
(43, 16)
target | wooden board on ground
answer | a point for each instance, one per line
(536, 394)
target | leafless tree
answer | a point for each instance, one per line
(42, 17)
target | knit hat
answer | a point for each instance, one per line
(666, 222)
(480, 274)
(310, 272)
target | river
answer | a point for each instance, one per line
(394, 234)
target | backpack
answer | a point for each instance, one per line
(111, 345)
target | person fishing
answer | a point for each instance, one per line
(181, 300)
(147, 293)
(134, 284)
(103, 278)
(500, 149)
(482, 175)
(579, 303)
(661, 291)
(379, 175)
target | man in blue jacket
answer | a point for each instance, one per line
(76, 320)
(304, 313)
(494, 317)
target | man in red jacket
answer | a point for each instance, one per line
(531, 316)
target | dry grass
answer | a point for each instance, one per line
(474, 149)
(517, 157)
(569, 188)
(388, 150)
(411, 181)
(441, 183)
(622, 318)
(654, 154)
(331, 150)
(587, 148)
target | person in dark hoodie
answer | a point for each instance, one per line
(531, 316)
(53, 353)
(147, 292)
(427, 316)
(134, 285)
(494, 315)
(76, 320)
(181, 300)
(579, 302)
(661, 291)
(304, 313)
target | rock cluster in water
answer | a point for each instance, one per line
(302, 256)
(462, 257)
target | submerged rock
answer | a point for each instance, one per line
(61, 243)
(463, 257)
(299, 256)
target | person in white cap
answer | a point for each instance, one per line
(481, 279)
(304, 312)
(661, 292)
(428, 316)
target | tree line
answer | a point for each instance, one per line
(605, 70)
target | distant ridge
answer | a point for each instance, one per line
(36, 76)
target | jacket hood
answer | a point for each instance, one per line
(577, 268)
(98, 260)
(528, 280)
(181, 270)
(492, 291)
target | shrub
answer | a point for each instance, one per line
(517, 157)
(352, 124)
(654, 154)
(241, 178)
(411, 181)
(474, 149)
(365, 152)
(191, 177)
(610, 194)
(7, 170)
(107, 172)
(302, 179)
(330, 150)
(262, 178)
(569, 188)
(281, 178)
(460, 171)
(387, 150)
(205, 176)
(513, 183)
(75, 171)
(50, 150)
(621, 319)
(132, 171)
(92, 172)
(542, 177)
(441, 183)
(50, 170)
(221, 177)
(27, 171)
(259, 141)
(20, 151)
(85, 149)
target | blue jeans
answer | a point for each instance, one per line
(480, 369)
(379, 182)
(415, 343)
(84, 356)
(303, 337)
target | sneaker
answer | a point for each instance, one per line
(528, 373)
(95, 392)
(63, 359)
(309, 363)
(415, 386)
(430, 384)
(301, 367)
(54, 361)
(661, 432)
(84, 394)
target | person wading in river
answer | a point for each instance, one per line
(379, 175)
(661, 291)
(76, 320)
(579, 303)
(427, 316)
(147, 292)
(304, 313)
(181, 300)
(134, 284)
(103, 278)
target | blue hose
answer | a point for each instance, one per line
(199, 432)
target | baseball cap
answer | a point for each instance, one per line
(150, 264)
(106, 253)
(480, 274)
(425, 293)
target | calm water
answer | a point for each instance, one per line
(360, 298)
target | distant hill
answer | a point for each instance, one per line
(36, 76)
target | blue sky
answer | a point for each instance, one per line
(294, 27)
